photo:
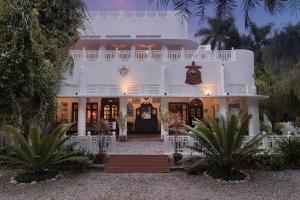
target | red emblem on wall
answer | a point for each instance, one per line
(193, 74)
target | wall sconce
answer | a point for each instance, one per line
(207, 92)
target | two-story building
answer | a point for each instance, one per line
(142, 63)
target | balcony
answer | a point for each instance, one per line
(153, 55)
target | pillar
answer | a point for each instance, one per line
(253, 109)
(123, 109)
(223, 107)
(82, 116)
(164, 108)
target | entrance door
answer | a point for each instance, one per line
(195, 110)
(110, 108)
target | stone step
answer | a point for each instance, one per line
(138, 164)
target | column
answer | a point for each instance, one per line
(123, 109)
(164, 108)
(82, 116)
(253, 109)
(223, 106)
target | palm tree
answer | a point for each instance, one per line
(222, 140)
(42, 152)
(221, 34)
(223, 8)
(259, 39)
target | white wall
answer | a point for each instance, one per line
(169, 27)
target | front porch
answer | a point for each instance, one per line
(87, 113)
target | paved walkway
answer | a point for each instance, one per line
(140, 148)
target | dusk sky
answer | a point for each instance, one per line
(260, 16)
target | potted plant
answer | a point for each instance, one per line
(100, 156)
(122, 123)
(175, 123)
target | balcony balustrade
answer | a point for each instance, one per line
(153, 55)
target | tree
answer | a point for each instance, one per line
(221, 34)
(35, 38)
(223, 8)
(259, 38)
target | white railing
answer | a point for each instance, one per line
(153, 55)
(236, 89)
(128, 14)
(184, 142)
(91, 143)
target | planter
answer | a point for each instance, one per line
(78, 167)
(177, 157)
(99, 158)
(190, 169)
(245, 179)
(122, 138)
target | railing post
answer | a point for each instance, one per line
(182, 54)
(149, 54)
(100, 54)
(165, 53)
(113, 144)
(117, 55)
(132, 53)
(84, 54)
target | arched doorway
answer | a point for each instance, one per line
(195, 110)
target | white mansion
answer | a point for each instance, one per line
(142, 63)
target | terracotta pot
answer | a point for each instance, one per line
(122, 138)
(190, 169)
(78, 167)
(177, 157)
(99, 158)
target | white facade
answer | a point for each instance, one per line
(153, 50)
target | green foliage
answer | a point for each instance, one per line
(296, 123)
(222, 140)
(269, 161)
(221, 33)
(35, 38)
(42, 152)
(222, 8)
(290, 149)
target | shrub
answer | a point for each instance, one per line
(269, 161)
(290, 149)
(296, 123)
(222, 141)
(42, 153)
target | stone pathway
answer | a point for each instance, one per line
(140, 148)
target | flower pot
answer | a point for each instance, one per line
(190, 169)
(122, 138)
(99, 158)
(177, 157)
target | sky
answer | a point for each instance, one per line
(260, 17)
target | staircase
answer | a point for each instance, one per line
(137, 164)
